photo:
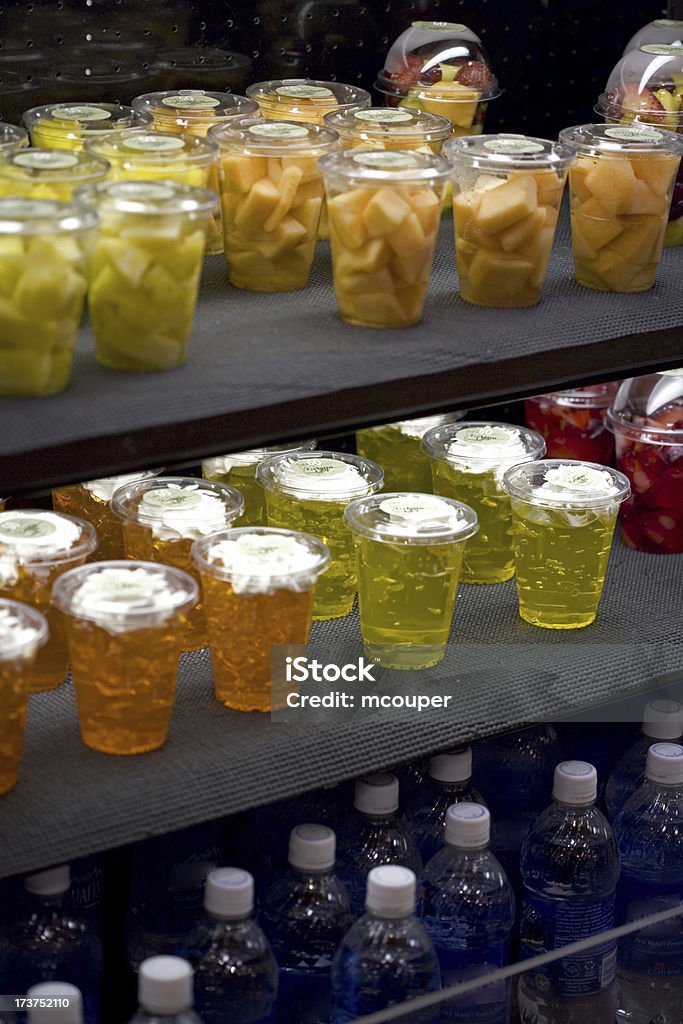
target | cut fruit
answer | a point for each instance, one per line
(409, 237)
(366, 259)
(308, 214)
(287, 186)
(497, 277)
(644, 200)
(516, 235)
(503, 206)
(549, 187)
(657, 174)
(612, 182)
(287, 235)
(578, 175)
(347, 225)
(131, 261)
(594, 232)
(385, 212)
(242, 172)
(639, 240)
(257, 206)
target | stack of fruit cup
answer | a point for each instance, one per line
(44, 247)
(49, 173)
(71, 125)
(308, 491)
(507, 191)
(23, 630)
(573, 422)
(145, 270)
(647, 420)
(397, 447)
(258, 587)
(271, 195)
(384, 209)
(646, 86)
(12, 138)
(468, 462)
(305, 100)
(620, 191)
(35, 548)
(125, 623)
(389, 128)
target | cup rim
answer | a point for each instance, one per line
(433, 443)
(372, 472)
(571, 500)
(123, 496)
(200, 548)
(85, 546)
(386, 533)
(647, 435)
(37, 620)
(62, 600)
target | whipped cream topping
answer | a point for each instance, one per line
(420, 512)
(418, 428)
(177, 512)
(32, 536)
(260, 563)
(121, 599)
(105, 487)
(567, 483)
(18, 638)
(323, 479)
(490, 443)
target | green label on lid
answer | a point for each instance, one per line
(278, 130)
(389, 161)
(318, 467)
(191, 101)
(487, 435)
(17, 207)
(415, 508)
(45, 159)
(140, 190)
(634, 134)
(171, 498)
(663, 50)
(153, 144)
(513, 147)
(81, 113)
(440, 26)
(305, 92)
(384, 116)
(26, 527)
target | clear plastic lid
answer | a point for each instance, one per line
(258, 559)
(20, 216)
(507, 152)
(86, 117)
(566, 483)
(418, 428)
(411, 519)
(616, 140)
(361, 166)
(23, 630)
(154, 149)
(188, 106)
(147, 197)
(430, 52)
(650, 408)
(182, 503)
(37, 537)
(307, 96)
(217, 68)
(12, 138)
(53, 165)
(592, 396)
(483, 442)
(321, 475)
(258, 137)
(662, 30)
(376, 124)
(646, 86)
(252, 457)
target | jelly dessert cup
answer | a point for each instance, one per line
(397, 448)
(23, 631)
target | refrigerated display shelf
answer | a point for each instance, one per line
(263, 368)
(501, 673)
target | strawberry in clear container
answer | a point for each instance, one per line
(572, 422)
(646, 418)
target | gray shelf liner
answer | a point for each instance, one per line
(250, 351)
(502, 673)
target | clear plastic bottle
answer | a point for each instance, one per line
(649, 832)
(165, 992)
(72, 1013)
(387, 956)
(663, 721)
(306, 915)
(467, 905)
(48, 942)
(448, 782)
(373, 835)
(235, 971)
(570, 868)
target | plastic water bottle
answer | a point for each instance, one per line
(570, 868)
(306, 915)
(236, 975)
(386, 957)
(662, 721)
(449, 781)
(72, 1013)
(278, 820)
(649, 831)
(467, 905)
(49, 943)
(165, 992)
(373, 835)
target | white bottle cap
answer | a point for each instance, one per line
(467, 826)
(663, 719)
(52, 882)
(665, 764)
(71, 1014)
(391, 891)
(377, 794)
(229, 893)
(312, 848)
(575, 782)
(165, 985)
(454, 766)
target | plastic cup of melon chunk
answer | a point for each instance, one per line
(620, 191)
(507, 191)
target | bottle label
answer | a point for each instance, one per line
(386, 160)
(656, 951)
(487, 1006)
(305, 92)
(81, 113)
(387, 116)
(278, 131)
(548, 924)
(515, 147)
(191, 101)
(439, 26)
(662, 49)
(153, 144)
(634, 134)
(45, 159)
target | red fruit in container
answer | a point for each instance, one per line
(573, 422)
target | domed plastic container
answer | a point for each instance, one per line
(647, 420)
(387, 128)
(662, 30)
(71, 125)
(572, 422)
(647, 86)
(442, 68)
(49, 173)
(12, 138)
(200, 67)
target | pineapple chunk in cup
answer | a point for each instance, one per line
(305, 100)
(271, 197)
(620, 190)
(49, 173)
(43, 250)
(145, 270)
(507, 193)
(71, 125)
(384, 212)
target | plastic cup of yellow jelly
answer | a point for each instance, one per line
(384, 209)
(145, 270)
(507, 191)
(91, 501)
(239, 470)
(35, 548)
(308, 492)
(468, 462)
(409, 550)
(564, 513)
(12, 138)
(305, 99)
(44, 247)
(389, 128)
(124, 622)
(71, 125)
(23, 630)
(258, 586)
(397, 447)
(162, 518)
(620, 191)
(49, 173)
(271, 196)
